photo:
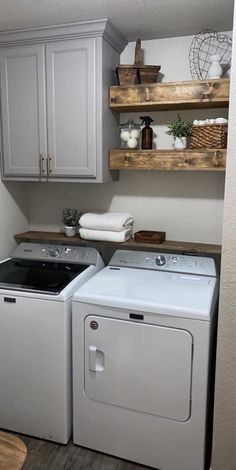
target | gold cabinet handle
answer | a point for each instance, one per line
(49, 170)
(41, 165)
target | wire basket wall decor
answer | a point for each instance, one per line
(205, 44)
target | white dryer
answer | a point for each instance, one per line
(36, 288)
(142, 355)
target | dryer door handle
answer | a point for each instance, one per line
(96, 359)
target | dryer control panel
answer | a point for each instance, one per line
(164, 262)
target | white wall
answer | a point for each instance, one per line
(188, 206)
(14, 210)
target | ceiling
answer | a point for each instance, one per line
(147, 19)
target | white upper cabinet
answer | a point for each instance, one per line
(23, 109)
(56, 121)
(71, 107)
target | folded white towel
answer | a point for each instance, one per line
(106, 221)
(106, 235)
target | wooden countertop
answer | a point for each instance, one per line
(12, 452)
(167, 245)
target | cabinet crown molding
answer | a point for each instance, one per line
(83, 29)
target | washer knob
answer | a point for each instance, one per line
(54, 252)
(160, 260)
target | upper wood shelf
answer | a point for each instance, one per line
(171, 95)
(167, 245)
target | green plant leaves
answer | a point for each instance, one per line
(179, 128)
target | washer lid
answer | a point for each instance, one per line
(181, 295)
(38, 276)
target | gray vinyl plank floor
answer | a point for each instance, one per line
(45, 455)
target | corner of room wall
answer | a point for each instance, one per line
(224, 438)
(14, 206)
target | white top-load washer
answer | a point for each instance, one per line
(36, 288)
(142, 355)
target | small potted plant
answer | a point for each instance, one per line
(180, 130)
(70, 219)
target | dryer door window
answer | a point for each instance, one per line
(138, 366)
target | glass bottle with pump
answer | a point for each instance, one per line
(147, 133)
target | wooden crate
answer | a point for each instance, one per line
(127, 75)
(138, 73)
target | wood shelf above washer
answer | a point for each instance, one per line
(167, 245)
(193, 94)
(169, 160)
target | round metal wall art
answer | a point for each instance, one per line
(205, 44)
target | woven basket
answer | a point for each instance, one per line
(212, 136)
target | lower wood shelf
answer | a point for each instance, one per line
(169, 160)
(167, 245)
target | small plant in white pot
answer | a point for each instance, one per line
(70, 219)
(180, 130)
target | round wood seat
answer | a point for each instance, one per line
(13, 452)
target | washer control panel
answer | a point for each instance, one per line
(160, 260)
(56, 253)
(164, 262)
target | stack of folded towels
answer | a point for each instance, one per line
(106, 226)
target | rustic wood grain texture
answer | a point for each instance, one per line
(127, 74)
(13, 452)
(138, 55)
(167, 245)
(189, 159)
(170, 95)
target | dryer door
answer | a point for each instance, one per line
(138, 366)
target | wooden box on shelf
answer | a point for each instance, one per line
(137, 73)
(127, 75)
(149, 236)
(131, 75)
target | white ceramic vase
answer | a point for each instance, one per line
(215, 70)
(70, 231)
(180, 143)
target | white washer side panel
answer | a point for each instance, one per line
(138, 366)
(35, 370)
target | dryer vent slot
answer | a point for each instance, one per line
(10, 300)
(191, 253)
(136, 316)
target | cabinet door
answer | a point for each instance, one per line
(23, 109)
(71, 107)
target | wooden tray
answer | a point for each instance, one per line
(149, 236)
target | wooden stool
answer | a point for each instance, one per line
(13, 452)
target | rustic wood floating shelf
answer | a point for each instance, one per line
(167, 245)
(169, 160)
(192, 94)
